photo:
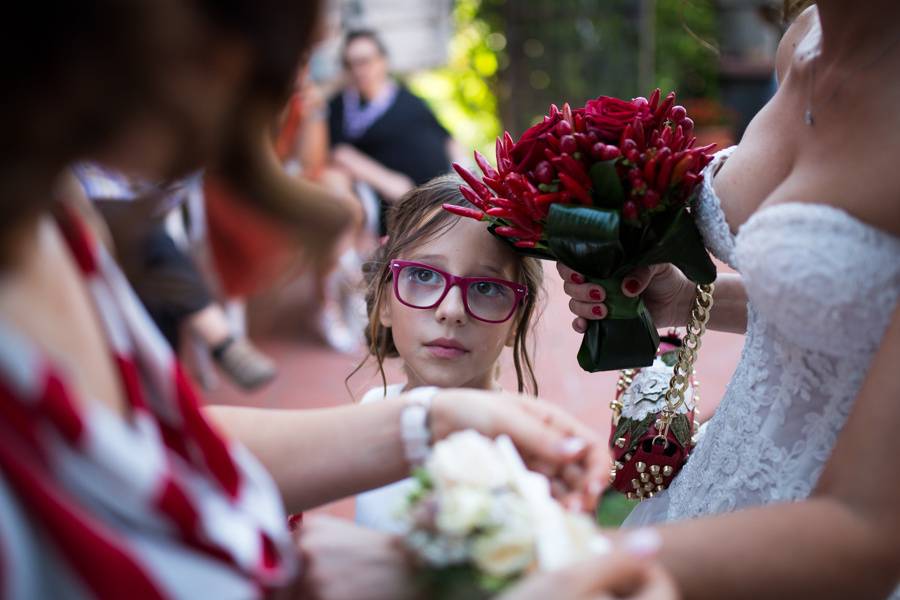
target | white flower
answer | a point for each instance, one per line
(647, 393)
(463, 509)
(467, 458)
(507, 550)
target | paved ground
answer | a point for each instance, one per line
(313, 376)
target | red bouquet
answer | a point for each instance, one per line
(603, 189)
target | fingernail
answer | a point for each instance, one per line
(598, 310)
(576, 278)
(295, 521)
(632, 286)
(597, 294)
(643, 543)
(572, 445)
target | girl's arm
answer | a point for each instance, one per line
(316, 456)
(844, 542)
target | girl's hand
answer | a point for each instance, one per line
(342, 561)
(666, 292)
(549, 439)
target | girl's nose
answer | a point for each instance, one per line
(452, 308)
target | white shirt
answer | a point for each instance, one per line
(381, 508)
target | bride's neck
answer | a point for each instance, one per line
(850, 30)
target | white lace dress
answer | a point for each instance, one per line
(822, 287)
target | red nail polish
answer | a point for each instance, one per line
(632, 286)
(597, 295)
(576, 278)
(598, 310)
(295, 521)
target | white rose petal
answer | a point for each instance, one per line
(507, 551)
(463, 509)
(467, 458)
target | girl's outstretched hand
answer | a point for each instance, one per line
(549, 439)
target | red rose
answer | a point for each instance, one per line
(529, 150)
(607, 117)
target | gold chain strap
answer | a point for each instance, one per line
(683, 371)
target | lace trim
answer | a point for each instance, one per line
(709, 215)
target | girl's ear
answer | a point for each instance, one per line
(384, 313)
(511, 335)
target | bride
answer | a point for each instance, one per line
(807, 210)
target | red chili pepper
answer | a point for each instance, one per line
(477, 186)
(663, 109)
(547, 199)
(554, 110)
(650, 199)
(579, 122)
(681, 168)
(485, 166)
(630, 211)
(688, 125)
(474, 198)
(650, 172)
(567, 114)
(610, 153)
(677, 113)
(494, 184)
(639, 133)
(573, 168)
(515, 232)
(665, 172)
(508, 142)
(465, 211)
(576, 189)
(654, 100)
(552, 141)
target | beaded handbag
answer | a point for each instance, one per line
(653, 425)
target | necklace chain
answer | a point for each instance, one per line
(808, 116)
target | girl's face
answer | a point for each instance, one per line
(445, 346)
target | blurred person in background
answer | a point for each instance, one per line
(167, 281)
(382, 134)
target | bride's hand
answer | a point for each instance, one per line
(664, 289)
(599, 578)
(549, 439)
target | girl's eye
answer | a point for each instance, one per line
(489, 288)
(423, 275)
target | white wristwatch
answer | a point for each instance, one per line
(415, 426)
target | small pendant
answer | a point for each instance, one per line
(808, 117)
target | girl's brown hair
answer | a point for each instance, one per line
(414, 220)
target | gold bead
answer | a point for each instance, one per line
(628, 457)
(658, 480)
(619, 466)
(645, 477)
(667, 471)
(660, 488)
(641, 467)
(649, 494)
(620, 442)
(631, 496)
(649, 487)
(636, 484)
(654, 469)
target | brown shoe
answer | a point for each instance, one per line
(244, 364)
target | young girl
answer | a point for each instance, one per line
(446, 297)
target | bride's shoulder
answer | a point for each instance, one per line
(802, 29)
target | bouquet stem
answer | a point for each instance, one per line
(626, 338)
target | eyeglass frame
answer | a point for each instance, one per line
(450, 280)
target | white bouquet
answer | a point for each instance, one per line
(478, 519)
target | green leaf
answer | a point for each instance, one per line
(608, 190)
(611, 344)
(585, 239)
(682, 245)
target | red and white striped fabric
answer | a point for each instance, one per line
(152, 506)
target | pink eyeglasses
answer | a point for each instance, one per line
(487, 299)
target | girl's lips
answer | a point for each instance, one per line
(444, 348)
